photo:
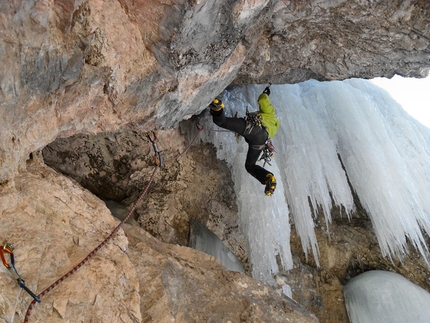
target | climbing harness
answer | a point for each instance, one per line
(252, 120)
(8, 248)
(115, 230)
(157, 156)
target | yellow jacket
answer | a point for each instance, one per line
(267, 114)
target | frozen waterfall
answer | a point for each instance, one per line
(327, 127)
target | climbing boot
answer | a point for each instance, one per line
(216, 105)
(270, 184)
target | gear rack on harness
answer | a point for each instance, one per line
(254, 120)
(267, 153)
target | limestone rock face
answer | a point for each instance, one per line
(332, 40)
(117, 165)
(54, 224)
(79, 67)
(97, 65)
(180, 284)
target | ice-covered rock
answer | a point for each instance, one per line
(382, 296)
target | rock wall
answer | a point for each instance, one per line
(92, 66)
(335, 40)
(198, 186)
(97, 65)
(115, 166)
(347, 249)
(54, 224)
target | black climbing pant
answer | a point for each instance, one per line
(255, 139)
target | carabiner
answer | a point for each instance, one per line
(3, 259)
(7, 247)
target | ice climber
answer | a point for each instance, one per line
(257, 129)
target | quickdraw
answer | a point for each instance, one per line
(8, 248)
(157, 156)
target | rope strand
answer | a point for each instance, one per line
(115, 230)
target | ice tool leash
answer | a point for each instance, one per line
(8, 248)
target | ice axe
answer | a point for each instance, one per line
(267, 89)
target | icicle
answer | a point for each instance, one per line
(384, 151)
